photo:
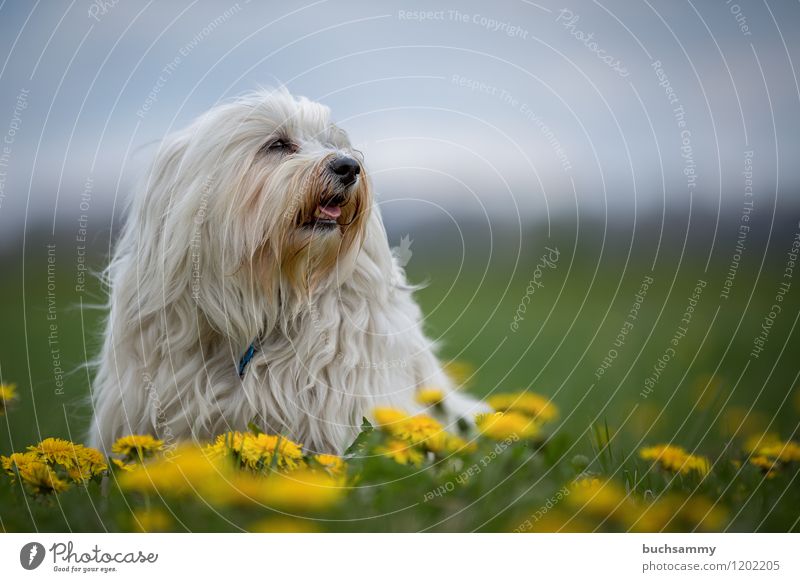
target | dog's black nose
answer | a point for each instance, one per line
(346, 168)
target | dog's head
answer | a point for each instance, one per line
(305, 191)
(263, 192)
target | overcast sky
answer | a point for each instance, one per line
(498, 107)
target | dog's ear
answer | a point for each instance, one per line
(151, 236)
(178, 251)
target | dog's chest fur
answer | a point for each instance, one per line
(316, 378)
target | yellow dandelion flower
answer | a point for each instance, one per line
(89, 463)
(59, 451)
(758, 441)
(18, 460)
(151, 520)
(503, 425)
(675, 459)
(529, 403)
(420, 429)
(386, 417)
(648, 518)
(8, 394)
(429, 396)
(768, 466)
(91, 457)
(785, 452)
(603, 499)
(123, 465)
(703, 514)
(333, 464)
(284, 525)
(697, 464)
(137, 446)
(177, 475)
(226, 443)
(42, 479)
(401, 452)
(599, 497)
(672, 512)
(81, 463)
(299, 490)
(587, 482)
(262, 450)
(768, 452)
(455, 444)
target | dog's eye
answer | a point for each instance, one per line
(279, 145)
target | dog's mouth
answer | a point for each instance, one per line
(325, 217)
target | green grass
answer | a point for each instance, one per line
(701, 401)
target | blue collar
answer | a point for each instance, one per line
(248, 355)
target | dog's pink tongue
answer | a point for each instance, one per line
(330, 211)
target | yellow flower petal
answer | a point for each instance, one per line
(504, 425)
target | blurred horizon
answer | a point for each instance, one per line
(504, 112)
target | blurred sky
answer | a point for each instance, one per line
(459, 113)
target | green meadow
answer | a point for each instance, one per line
(634, 343)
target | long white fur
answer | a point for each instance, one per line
(187, 296)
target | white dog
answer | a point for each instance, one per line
(253, 282)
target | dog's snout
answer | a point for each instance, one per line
(345, 168)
